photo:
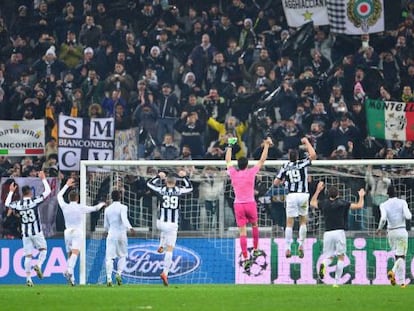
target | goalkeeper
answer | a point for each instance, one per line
(245, 209)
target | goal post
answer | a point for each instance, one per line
(207, 213)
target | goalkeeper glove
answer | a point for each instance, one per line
(231, 141)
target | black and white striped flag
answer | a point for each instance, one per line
(356, 17)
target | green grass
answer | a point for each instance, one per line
(207, 297)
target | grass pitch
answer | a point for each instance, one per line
(206, 297)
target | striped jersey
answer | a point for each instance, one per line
(295, 175)
(28, 209)
(169, 198)
(395, 212)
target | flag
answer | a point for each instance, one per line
(21, 138)
(356, 17)
(301, 40)
(299, 12)
(390, 120)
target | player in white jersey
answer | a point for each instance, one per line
(395, 212)
(117, 225)
(294, 175)
(169, 211)
(32, 234)
(73, 213)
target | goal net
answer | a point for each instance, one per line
(208, 249)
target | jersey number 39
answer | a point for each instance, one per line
(170, 202)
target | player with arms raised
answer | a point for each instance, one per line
(395, 212)
(295, 176)
(73, 213)
(31, 228)
(169, 194)
(245, 207)
(335, 212)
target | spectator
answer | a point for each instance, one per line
(119, 80)
(168, 149)
(191, 130)
(222, 33)
(200, 58)
(109, 103)
(49, 65)
(230, 128)
(92, 88)
(70, 50)
(215, 105)
(90, 33)
(170, 110)
(344, 133)
(122, 119)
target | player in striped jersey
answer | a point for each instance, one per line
(169, 194)
(294, 174)
(31, 227)
(395, 212)
(116, 223)
(73, 213)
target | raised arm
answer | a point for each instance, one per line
(309, 148)
(360, 203)
(314, 199)
(188, 187)
(9, 198)
(267, 143)
(47, 190)
(155, 183)
(69, 183)
(231, 142)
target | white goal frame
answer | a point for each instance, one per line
(84, 164)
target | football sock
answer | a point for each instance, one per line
(27, 265)
(167, 262)
(162, 239)
(302, 234)
(243, 245)
(288, 237)
(121, 264)
(339, 270)
(109, 265)
(42, 257)
(398, 269)
(72, 262)
(255, 232)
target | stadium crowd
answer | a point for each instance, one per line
(190, 74)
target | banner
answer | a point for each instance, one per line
(367, 262)
(21, 138)
(84, 139)
(12, 263)
(47, 209)
(390, 120)
(356, 17)
(126, 144)
(299, 12)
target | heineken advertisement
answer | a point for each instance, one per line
(367, 262)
